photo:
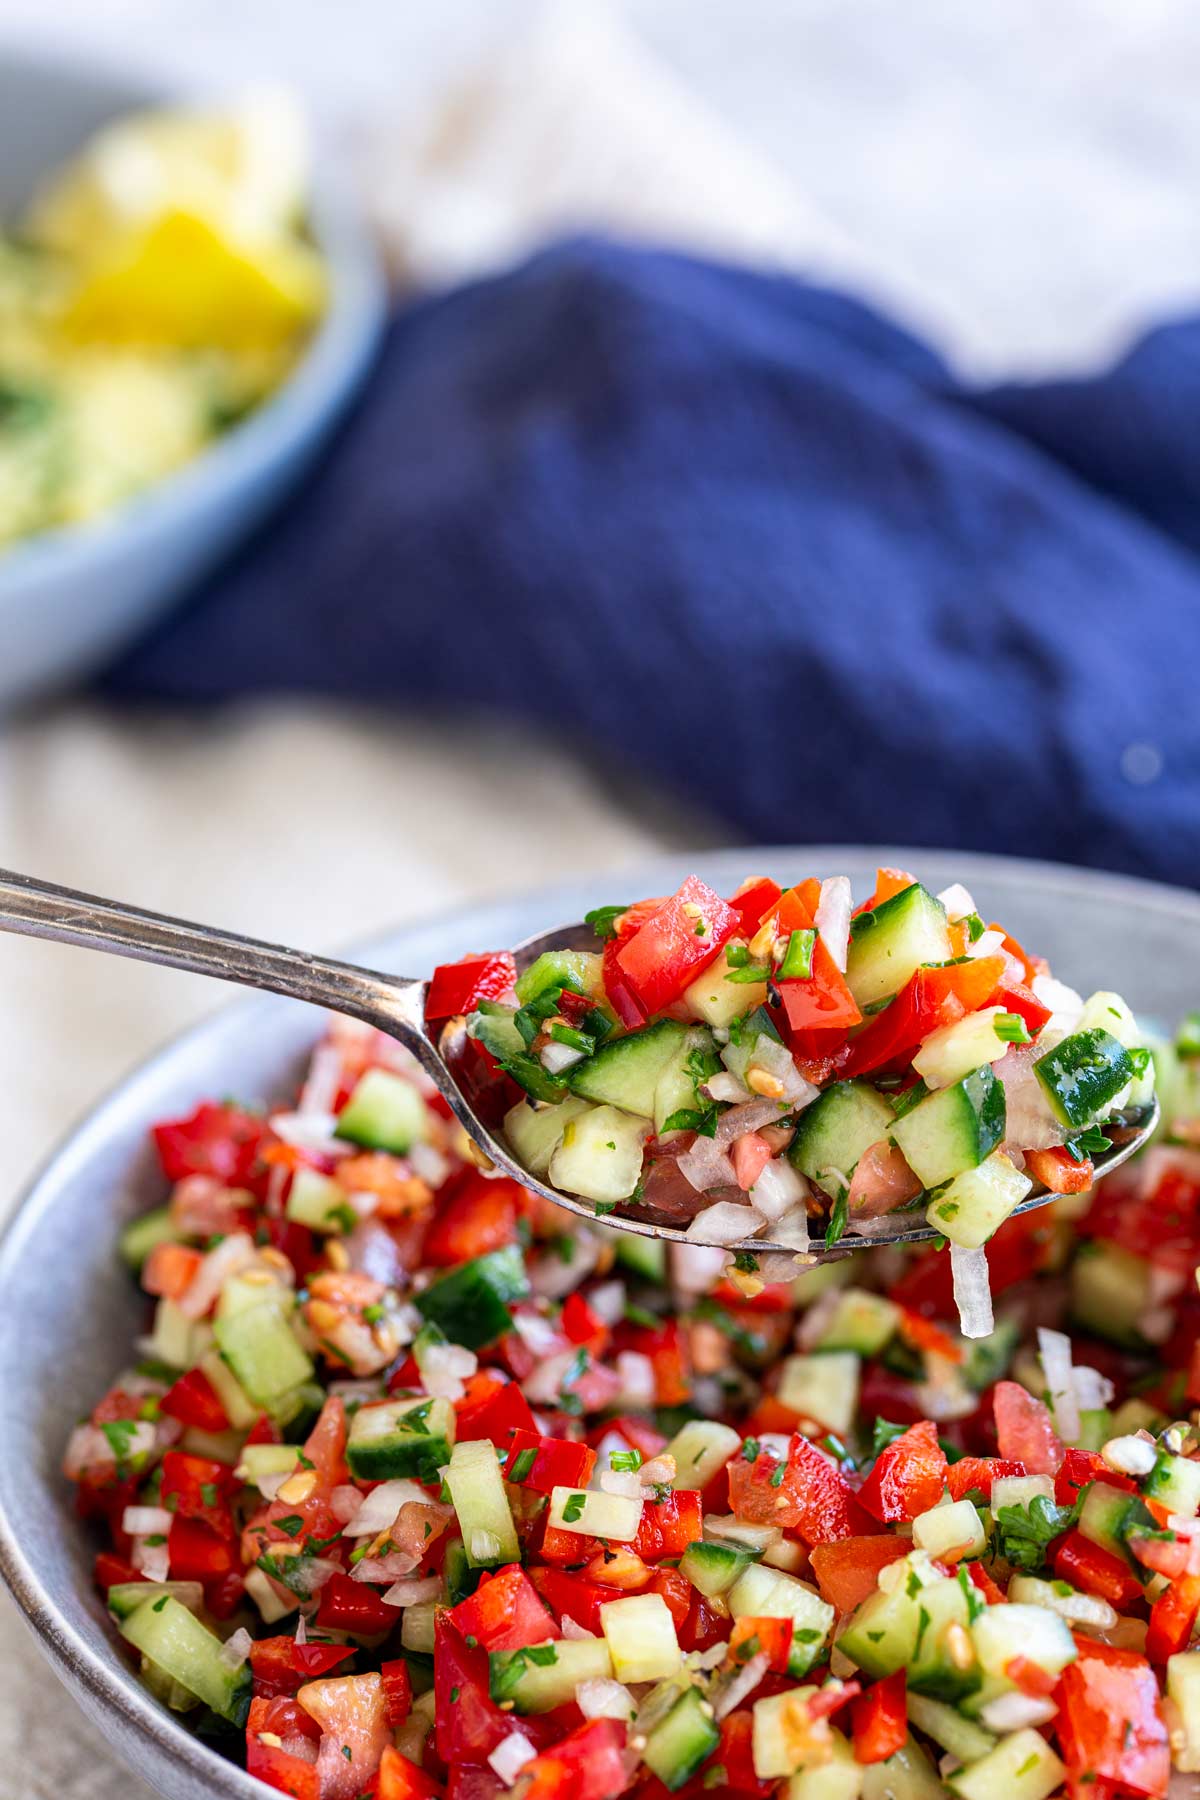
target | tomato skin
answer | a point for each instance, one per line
(222, 1141)
(556, 1462)
(505, 1612)
(1085, 1565)
(583, 1326)
(198, 1553)
(572, 1596)
(930, 999)
(474, 1215)
(847, 1572)
(676, 1591)
(880, 1719)
(1110, 1721)
(665, 954)
(469, 1724)
(979, 1472)
(193, 1401)
(458, 987)
(908, 1476)
(986, 1586)
(199, 1487)
(108, 1570)
(621, 996)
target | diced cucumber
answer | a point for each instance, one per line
(535, 1132)
(1019, 1490)
(712, 1566)
(891, 942)
(977, 1202)
(593, 1513)
(625, 1072)
(257, 1462)
(860, 1321)
(675, 1090)
(385, 1112)
(946, 1726)
(935, 1668)
(1112, 1013)
(953, 1051)
(261, 1348)
(478, 1496)
(471, 1302)
(781, 1738)
(719, 1001)
(823, 1387)
(1111, 1292)
(841, 1778)
(240, 1409)
(701, 1447)
(1107, 1516)
(1183, 1694)
(580, 970)
(676, 1748)
(600, 1156)
(401, 1437)
(272, 1602)
(881, 1634)
(950, 1533)
(953, 1129)
(640, 1634)
(833, 1132)
(908, 1775)
(763, 1593)
(1174, 1482)
(1136, 1414)
(319, 1202)
(546, 1676)
(460, 1578)
(173, 1338)
(1001, 1633)
(494, 1025)
(145, 1234)
(175, 1640)
(1061, 1598)
(644, 1256)
(1083, 1075)
(418, 1627)
(124, 1597)
(163, 1688)
(1021, 1767)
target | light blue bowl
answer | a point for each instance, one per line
(71, 598)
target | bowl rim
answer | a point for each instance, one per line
(331, 364)
(117, 1690)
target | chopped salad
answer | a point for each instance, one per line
(419, 1486)
(784, 1065)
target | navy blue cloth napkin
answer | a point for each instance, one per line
(749, 537)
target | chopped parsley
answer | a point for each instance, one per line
(1085, 1144)
(293, 1524)
(573, 1508)
(1011, 1028)
(625, 1462)
(1023, 1532)
(603, 920)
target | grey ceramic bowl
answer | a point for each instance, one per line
(1097, 930)
(69, 599)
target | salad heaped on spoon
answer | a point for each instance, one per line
(423, 1487)
(781, 1066)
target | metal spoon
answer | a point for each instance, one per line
(394, 1004)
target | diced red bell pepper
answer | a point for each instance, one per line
(352, 1606)
(880, 1718)
(1015, 997)
(474, 1216)
(677, 1593)
(458, 987)
(1030, 1677)
(469, 1723)
(588, 1764)
(169, 1270)
(675, 944)
(819, 1006)
(1025, 1430)
(639, 1434)
(544, 1463)
(987, 1587)
(193, 1401)
(398, 1778)
(583, 1326)
(1078, 1468)
(493, 1409)
(397, 1691)
(572, 1596)
(669, 1525)
(932, 998)
(847, 1572)
(1031, 965)
(282, 1666)
(281, 1769)
(811, 1497)
(198, 1553)
(735, 1754)
(888, 883)
(110, 1570)
(908, 1476)
(753, 900)
(222, 1141)
(505, 1612)
(1173, 1618)
(769, 1637)
(1110, 1721)
(971, 1472)
(1058, 1170)
(621, 996)
(198, 1487)
(1097, 1571)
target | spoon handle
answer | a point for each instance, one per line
(40, 909)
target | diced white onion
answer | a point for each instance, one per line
(775, 1265)
(444, 1368)
(301, 1637)
(345, 1502)
(236, 1649)
(230, 1257)
(972, 1291)
(957, 901)
(323, 1080)
(510, 1756)
(734, 1691)
(313, 1132)
(833, 918)
(1064, 1003)
(776, 1059)
(726, 1086)
(695, 1267)
(988, 943)
(728, 1525)
(429, 1164)
(310, 1574)
(607, 1301)
(622, 1481)
(706, 1165)
(777, 1189)
(379, 1508)
(397, 1565)
(572, 1629)
(636, 1371)
(146, 1521)
(535, 1331)
(553, 1274)
(557, 1057)
(724, 1223)
(742, 1119)
(792, 1231)
(412, 1593)
(1055, 1349)
(151, 1560)
(604, 1699)
(1030, 1123)
(545, 1383)
(1013, 1712)
(1093, 1391)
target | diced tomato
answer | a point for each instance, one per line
(505, 1612)
(1173, 1618)
(986, 1586)
(583, 1326)
(769, 1637)
(544, 1463)
(848, 1571)
(169, 1269)
(282, 1666)
(110, 1570)
(1110, 1722)
(639, 1434)
(621, 996)
(588, 1764)
(1161, 1224)
(284, 1770)
(467, 1783)
(193, 1401)
(751, 1154)
(676, 1591)
(493, 1408)
(1030, 1677)
(671, 948)
(669, 1525)
(1078, 1468)
(735, 1754)
(223, 1141)
(352, 1714)
(474, 1216)
(398, 1778)
(458, 987)
(922, 1334)
(469, 1723)
(1058, 1170)
(1097, 1571)
(1015, 997)
(664, 1345)
(811, 1497)
(572, 1596)
(932, 998)
(908, 1476)
(198, 1553)
(880, 1720)
(352, 1606)
(753, 901)
(1025, 1430)
(971, 1472)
